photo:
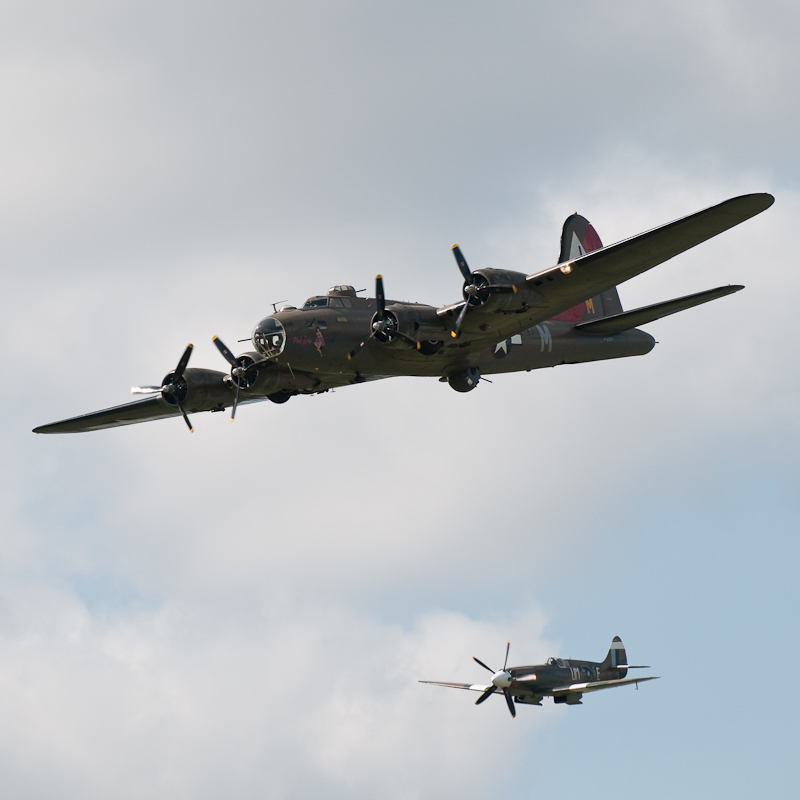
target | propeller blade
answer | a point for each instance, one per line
(226, 354)
(462, 262)
(488, 693)
(187, 354)
(505, 663)
(405, 338)
(180, 406)
(380, 297)
(510, 702)
(454, 333)
(235, 402)
(483, 665)
(356, 350)
(145, 389)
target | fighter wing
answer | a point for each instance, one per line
(574, 281)
(473, 687)
(596, 686)
(139, 411)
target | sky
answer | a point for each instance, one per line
(248, 610)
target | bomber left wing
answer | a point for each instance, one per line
(139, 411)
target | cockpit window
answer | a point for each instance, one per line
(316, 302)
(269, 337)
(335, 302)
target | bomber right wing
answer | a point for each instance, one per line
(572, 282)
(569, 283)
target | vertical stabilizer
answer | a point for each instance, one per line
(578, 237)
(616, 655)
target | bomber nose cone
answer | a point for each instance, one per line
(502, 679)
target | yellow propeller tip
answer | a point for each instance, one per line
(378, 277)
(453, 246)
(453, 334)
(514, 288)
(213, 338)
(191, 346)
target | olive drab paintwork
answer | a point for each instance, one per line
(506, 321)
(566, 680)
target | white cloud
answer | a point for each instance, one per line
(280, 698)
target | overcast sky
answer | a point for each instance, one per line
(246, 611)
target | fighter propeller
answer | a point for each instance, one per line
(384, 324)
(500, 680)
(174, 388)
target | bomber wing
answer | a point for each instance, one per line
(139, 411)
(571, 282)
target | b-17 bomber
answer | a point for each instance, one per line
(505, 321)
(565, 680)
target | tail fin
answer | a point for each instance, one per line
(578, 237)
(616, 655)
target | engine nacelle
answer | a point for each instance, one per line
(500, 290)
(421, 324)
(198, 390)
(272, 379)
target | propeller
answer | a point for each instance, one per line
(384, 324)
(500, 680)
(173, 387)
(240, 367)
(476, 288)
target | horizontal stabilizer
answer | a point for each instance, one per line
(641, 316)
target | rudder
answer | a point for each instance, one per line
(579, 237)
(616, 655)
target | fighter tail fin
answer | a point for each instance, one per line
(616, 655)
(578, 237)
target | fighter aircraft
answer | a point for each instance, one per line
(506, 321)
(565, 680)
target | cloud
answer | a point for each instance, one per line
(275, 697)
(170, 171)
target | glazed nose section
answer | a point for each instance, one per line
(502, 679)
(269, 337)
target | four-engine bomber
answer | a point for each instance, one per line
(506, 321)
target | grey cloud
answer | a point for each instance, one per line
(170, 170)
